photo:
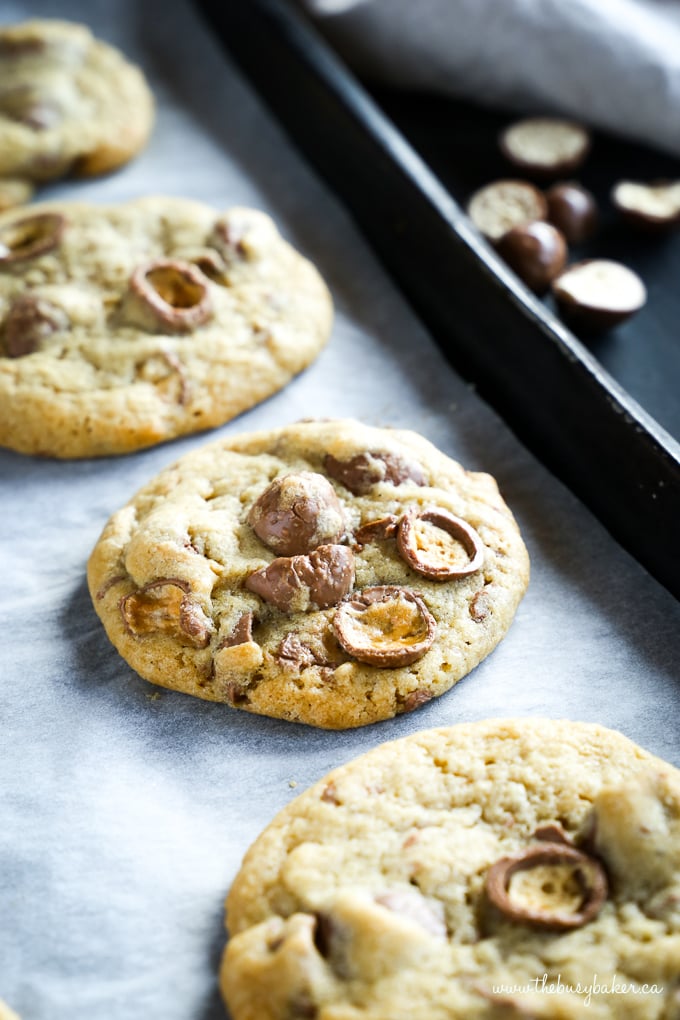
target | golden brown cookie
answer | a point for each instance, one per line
(491, 871)
(69, 103)
(326, 572)
(122, 326)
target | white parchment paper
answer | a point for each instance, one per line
(125, 810)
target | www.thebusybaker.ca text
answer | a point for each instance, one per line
(555, 986)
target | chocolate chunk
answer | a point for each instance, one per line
(377, 531)
(297, 583)
(360, 473)
(562, 871)
(227, 238)
(332, 942)
(242, 632)
(30, 320)
(301, 1007)
(330, 794)
(166, 606)
(438, 545)
(414, 906)
(29, 237)
(480, 605)
(385, 626)
(292, 651)
(414, 700)
(14, 47)
(552, 832)
(235, 694)
(26, 106)
(297, 513)
(298, 654)
(167, 295)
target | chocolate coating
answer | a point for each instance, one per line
(167, 295)
(598, 294)
(385, 626)
(588, 872)
(428, 552)
(294, 584)
(377, 531)
(29, 237)
(29, 321)
(297, 513)
(360, 473)
(573, 210)
(536, 251)
(165, 606)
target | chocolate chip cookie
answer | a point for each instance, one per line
(69, 103)
(123, 326)
(499, 869)
(327, 573)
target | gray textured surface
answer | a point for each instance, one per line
(613, 63)
(125, 811)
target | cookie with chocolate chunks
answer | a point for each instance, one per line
(125, 326)
(446, 875)
(69, 104)
(326, 572)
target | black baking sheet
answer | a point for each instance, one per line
(599, 417)
(459, 142)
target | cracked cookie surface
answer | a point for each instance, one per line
(327, 572)
(69, 103)
(373, 895)
(124, 326)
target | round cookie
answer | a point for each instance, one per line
(494, 870)
(69, 103)
(327, 573)
(124, 326)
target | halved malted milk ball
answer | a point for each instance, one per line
(598, 294)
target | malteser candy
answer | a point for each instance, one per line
(536, 251)
(500, 206)
(598, 294)
(30, 237)
(573, 210)
(30, 321)
(654, 206)
(166, 607)
(545, 146)
(361, 472)
(296, 583)
(297, 513)
(548, 885)
(385, 626)
(438, 545)
(167, 296)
